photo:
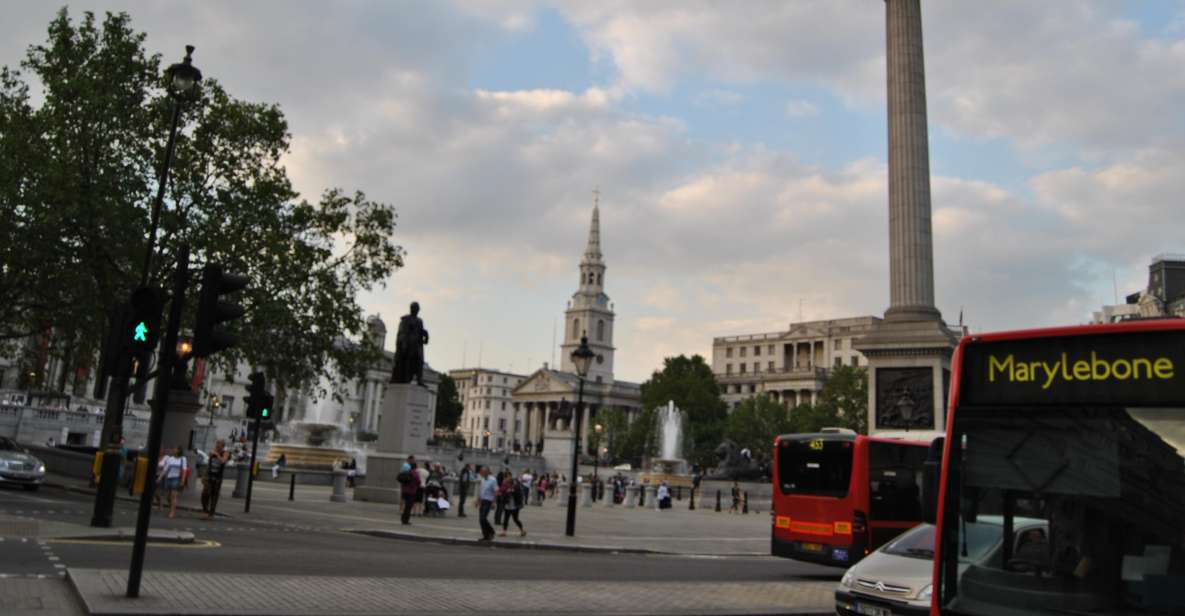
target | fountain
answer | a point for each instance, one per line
(316, 441)
(669, 466)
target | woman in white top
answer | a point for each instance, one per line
(172, 476)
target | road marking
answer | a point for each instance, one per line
(199, 544)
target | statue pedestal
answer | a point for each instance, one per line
(557, 451)
(403, 431)
(908, 376)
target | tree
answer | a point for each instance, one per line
(811, 418)
(845, 398)
(448, 404)
(689, 382)
(77, 173)
(755, 422)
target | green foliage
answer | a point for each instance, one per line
(689, 382)
(626, 441)
(755, 422)
(448, 404)
(78, 174)
(844, 398)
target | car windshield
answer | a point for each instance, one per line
(817, 467)
(918, 542)
(1092, 501)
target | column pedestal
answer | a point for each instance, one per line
(403, 431)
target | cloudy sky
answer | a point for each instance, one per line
(739, 149)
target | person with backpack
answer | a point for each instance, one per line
(409, 487)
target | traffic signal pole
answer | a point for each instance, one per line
(251, 469)
(160, 402)
(112, 429)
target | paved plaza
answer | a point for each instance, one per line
(314, 556)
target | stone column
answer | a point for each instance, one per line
(631, 497)
(586, 494)
(911, 259)
(562, 493)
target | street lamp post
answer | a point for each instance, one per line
(183, 78)
(581, 358)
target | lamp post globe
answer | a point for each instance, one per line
(582, 357)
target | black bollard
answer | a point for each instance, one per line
(692, 506)
(292, 488)
(717, 501)
(642, 496)
(745, 503)
(678, 493)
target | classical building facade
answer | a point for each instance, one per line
(790, 366)
(490, 420)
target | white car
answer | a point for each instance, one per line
(17, 467)
(895, 580)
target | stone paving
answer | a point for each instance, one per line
(598, 527)
(183, 594)
(44, 596)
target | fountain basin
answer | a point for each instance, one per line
(307, 457)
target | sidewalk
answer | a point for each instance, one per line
(598, 528)
(184, 594)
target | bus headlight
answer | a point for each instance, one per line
(847, 580)
(925, 592)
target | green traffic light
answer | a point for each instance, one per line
(264, 413)
(141, 333)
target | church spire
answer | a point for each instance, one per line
(592, 254)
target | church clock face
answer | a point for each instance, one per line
(600, 359)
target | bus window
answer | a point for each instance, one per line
(815, 467)
(1091, 507)
(895, 481)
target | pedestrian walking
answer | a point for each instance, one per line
(465, 480)
(212, 485)
(173, 475)
(409, 488)
(500, 499)
(736, 498)
(487, 491)
(541, 490)
(512, 496)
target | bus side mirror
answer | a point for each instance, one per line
(931, 478)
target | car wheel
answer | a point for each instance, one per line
(32, 487)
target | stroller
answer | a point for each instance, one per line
(435, 500)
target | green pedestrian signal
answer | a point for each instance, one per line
(141, 333)
(264, 412)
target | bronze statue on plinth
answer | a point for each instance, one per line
(409, 348)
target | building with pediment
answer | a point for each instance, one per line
(542, 404)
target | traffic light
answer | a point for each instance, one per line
(142, 331)
(258, 401)
(209, 337)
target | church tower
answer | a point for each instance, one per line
(589, 312)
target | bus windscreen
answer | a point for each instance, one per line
(1094, 500)
(815, 467)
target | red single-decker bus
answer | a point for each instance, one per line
(838, 495)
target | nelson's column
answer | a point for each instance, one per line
(909, 352)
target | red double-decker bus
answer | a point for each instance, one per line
(1082, 431)
(838, 495)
